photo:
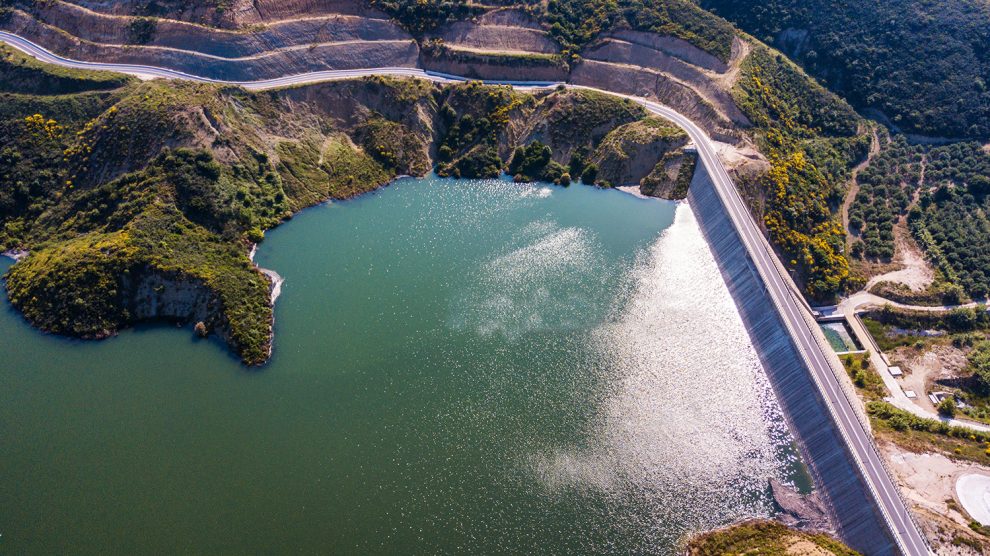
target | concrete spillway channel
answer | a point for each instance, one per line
(836, 475)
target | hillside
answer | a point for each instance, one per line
(924, 64)
(141, 202)
(790, 143)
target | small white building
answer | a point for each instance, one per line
(895, 371)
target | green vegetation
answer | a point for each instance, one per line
(107, 207)
(939, 292)
(979, 529)
(345, 170)
(974, 390)
(924, 63)
(615, 158)
(420, 16)
(947, 407)
(774, 93)
(892, 327)
(809, 137)
(979, 362)
(576, 23)
(920, 435)
(768, 538)
(864, 376)
(142, 30)
(951, 223)
(24, 75)
(943, 192)
(886, 190)
(155, 187)
(966, 330)
(672, 177)
(475, 120)
(475, 117)
(533, 162)
(623, 141)
(171, 219)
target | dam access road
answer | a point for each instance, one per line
(855, 433)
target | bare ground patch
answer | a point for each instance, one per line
(911, 267)
(503, 34)
(922, 368)
(927, 482)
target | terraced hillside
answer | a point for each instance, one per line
(279, 47)
(778, 126)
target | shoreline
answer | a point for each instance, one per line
(274, 278)
(634, 191)
(15, 254)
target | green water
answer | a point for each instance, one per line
(838, 337)
(459, 367)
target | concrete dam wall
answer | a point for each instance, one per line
(837, 477)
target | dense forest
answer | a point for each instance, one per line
(925, 64)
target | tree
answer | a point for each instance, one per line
(590, 174)
(979, 362)
(858, 247)
(947, 407)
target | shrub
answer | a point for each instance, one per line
(947, 407)
(590, 174)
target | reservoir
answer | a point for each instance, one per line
(460, 367)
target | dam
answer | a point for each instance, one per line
(847, 496)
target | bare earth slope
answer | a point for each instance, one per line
(263, 39)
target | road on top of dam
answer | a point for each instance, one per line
(858, 439)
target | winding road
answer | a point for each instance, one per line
(801, 327)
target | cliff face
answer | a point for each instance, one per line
(494, 66)
(154, 295)
(631, 152)
(671, 177)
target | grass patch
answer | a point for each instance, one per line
(864, 375)
(920, 435)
